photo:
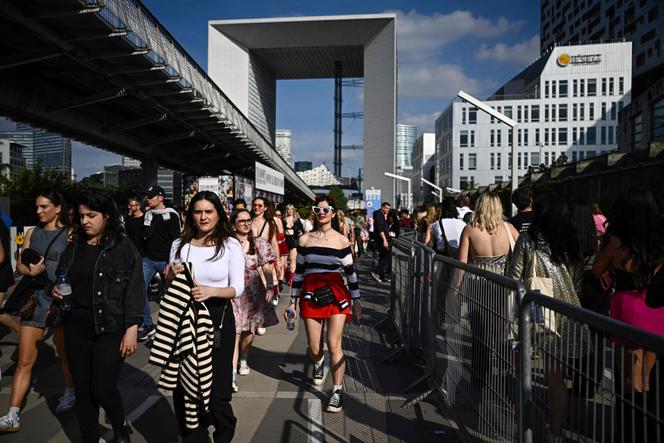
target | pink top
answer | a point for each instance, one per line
(599, 223)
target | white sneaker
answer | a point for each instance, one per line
(10, 423)
(244, 368)
(66, 402)
(235, 388)
(260, 331)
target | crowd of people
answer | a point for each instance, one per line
(88, 277)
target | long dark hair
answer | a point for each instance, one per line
(551, 219)
(448, 209)
(250, 235)
(268, 215)
(58, 200)
(221, 232)
(581, 219)
(101, 202)
(637, 222)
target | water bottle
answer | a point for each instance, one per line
(65, 289)
(290, 316)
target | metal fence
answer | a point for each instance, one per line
(501, 375)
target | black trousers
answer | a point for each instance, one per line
(384, 258)
(95, 363)
(221, 414)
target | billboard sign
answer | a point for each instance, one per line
(268, 179)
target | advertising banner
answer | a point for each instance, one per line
(372, 201)
(269, 179)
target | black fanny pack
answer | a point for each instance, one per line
(322, 296)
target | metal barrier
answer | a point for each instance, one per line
(503, 380)
(582, 382)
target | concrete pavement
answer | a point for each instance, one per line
(276, 402)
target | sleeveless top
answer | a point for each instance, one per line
(39, 241)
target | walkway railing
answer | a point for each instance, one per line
(504, 375)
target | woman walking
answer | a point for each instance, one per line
(217, 260)
(293, 229)
(487, 241)
(45, 242)
(267, 226)
(446, 231)
(253, 310)
(324, 297)
(105, 272)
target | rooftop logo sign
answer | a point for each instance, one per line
(565, 59)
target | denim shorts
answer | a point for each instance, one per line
(38, 319)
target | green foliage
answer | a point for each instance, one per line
(338, 195)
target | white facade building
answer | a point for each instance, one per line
(11, 158)
(404, 139)
(319, 176)
(130, 162)
(283, 144)
(566, 102)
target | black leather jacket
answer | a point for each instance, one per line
(118, 295)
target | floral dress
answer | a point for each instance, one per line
(251, 310)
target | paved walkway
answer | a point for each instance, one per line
(276, 402)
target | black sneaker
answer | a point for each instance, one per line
(318, 372)
(336, 402)
(147, 333)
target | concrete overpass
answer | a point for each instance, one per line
(107, 73)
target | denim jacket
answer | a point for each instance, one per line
(118, 295)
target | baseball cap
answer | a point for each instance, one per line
(154, 191)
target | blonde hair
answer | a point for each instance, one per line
(488, 214)
(431, 215)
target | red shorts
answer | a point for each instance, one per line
(281, 243)
(309, 309)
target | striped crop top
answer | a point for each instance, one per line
(318, 260)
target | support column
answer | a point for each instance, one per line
(337, 117)
(150, 167)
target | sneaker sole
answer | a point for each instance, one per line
(318, 381)
(241, 372)
(334, 409)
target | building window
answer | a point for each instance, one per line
(591, 135)
(472, 139)
(499, 137)
(611, 86)
(602, 135)
(611, 130)
(518, 160)
(613, 111)
(592, 87)
(472, 116)
(637, 132)
(658, 121)
(546, 136)
(492, 138)
(509, 160)
(518, 114)
(498, 160)
(509, 137)
(525, 159)
(604, 86)
(603, 116)
(575, 156)
(582, 88)
(546, 158)
(546, 89)
(525, 114)
(591, 111)
(537, 136)
(591, 154)
(498, 179)
(546, 113)
(582, 137)
(574, 82)
(582, 111)
(461, 162)
(562, 136)
(463, 182)
(562, 112)
(463, 139)
(492, 161)
(508, 111)
(519, 139)
(574, 136)
(574, 112)
(553, 136)
(463, 116)
(534, 158)
(525, 136)
(621, 85)
(472, 162)
(553, 89)
(562, 88)
(534, 113)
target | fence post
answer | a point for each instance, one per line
(526, 386)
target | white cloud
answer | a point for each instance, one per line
(438, 80)
(521, 53)
(424, 122)
(420, 36)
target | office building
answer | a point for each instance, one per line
(303, 166)
(11, 159)
(405, 136)
(130, 162)
(566, 102)
(283, 145)
(319, 176)
(423, 149)
(51, 151)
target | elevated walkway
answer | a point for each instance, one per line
(276, 402)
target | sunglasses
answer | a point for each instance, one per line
(246, 221)
(318, 210)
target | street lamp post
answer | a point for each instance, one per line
(438, 188)
(505, 119)
(406, 179)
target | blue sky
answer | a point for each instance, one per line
(443, 46)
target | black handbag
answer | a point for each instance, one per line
(323, 296)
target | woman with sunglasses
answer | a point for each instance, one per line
(319, 285)
(217, 260)
(253, 310)
(267, 225)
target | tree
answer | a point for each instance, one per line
(338, 195)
